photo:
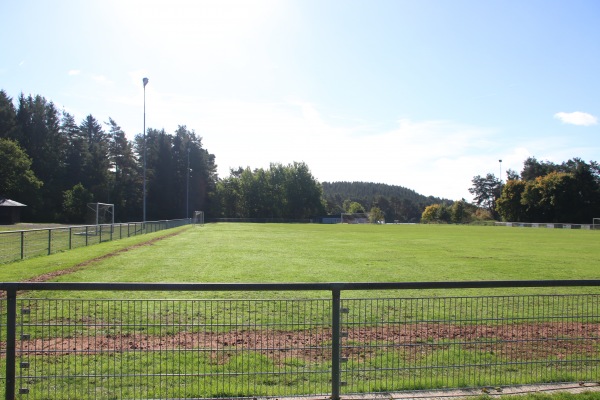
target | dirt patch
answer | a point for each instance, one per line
(532, 341)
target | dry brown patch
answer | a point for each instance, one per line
(531, 341)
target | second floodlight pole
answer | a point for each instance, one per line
(145, 80)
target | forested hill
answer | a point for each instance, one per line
(369, 190)
(397, 202)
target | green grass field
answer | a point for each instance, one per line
(331, 253)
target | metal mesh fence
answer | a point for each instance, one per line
(18, 245)
(172, 349)
(200, 348)
(3, 350)
(439, 343)
(10, 246)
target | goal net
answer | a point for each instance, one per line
(198, 218)
(355, 218)
(596, 223)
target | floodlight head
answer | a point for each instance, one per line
(145, 80)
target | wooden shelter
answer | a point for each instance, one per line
(10, 211)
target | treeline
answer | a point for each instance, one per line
(287, 192)
(543, 192)
(396, 202)
(56, 165)
(548, 192)
(459, 212)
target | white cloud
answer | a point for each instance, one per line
(74, 72)
(577, 118)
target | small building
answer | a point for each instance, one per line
(329, 219)
(10, 211)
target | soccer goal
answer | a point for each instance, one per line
(101, 213)
(355, 218)
(596, 223)
(103, 216)
(198, 218)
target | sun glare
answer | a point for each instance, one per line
(198, 25)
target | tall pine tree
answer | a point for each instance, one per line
(97, 169)
(8, 117)
(125, 180)
(38, 133)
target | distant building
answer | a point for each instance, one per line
(330, 219)
(10, 211)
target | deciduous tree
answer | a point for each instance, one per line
(486, 190)
(510, 206)
(430, 214)
(355, 207)
(75, 203)
(376, 215)
(289, 192)
(17, 180)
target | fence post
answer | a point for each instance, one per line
(70, 237)
(11, 337)
(49, 241)
(335, 344)
(22, 244)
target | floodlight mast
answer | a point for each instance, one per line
(145, 81)
(187, 194)
(500, 161)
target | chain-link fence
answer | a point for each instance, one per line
(90, 348)
(18, 245)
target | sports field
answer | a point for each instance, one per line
(326, 253)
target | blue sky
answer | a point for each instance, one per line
(423, 94)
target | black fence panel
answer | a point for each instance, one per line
(89, 347)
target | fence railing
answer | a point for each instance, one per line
(85, 345)
(263, 220)
(21, 244)
(550, 225)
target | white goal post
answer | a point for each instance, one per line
(596, 223)
(355, 218)
(198, 218)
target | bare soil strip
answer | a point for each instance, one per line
(531, 341)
